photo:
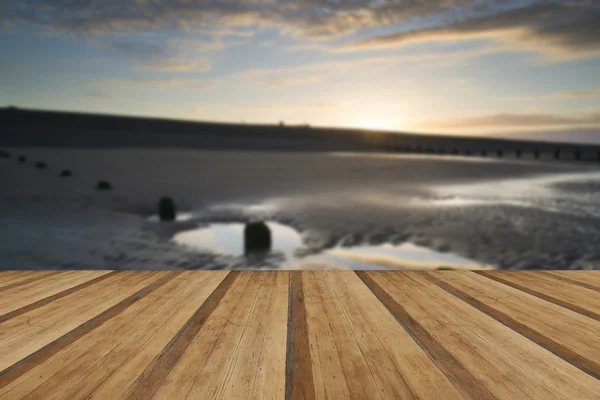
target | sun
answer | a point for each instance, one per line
(376, 124)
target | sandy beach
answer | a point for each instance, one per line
(501, 214)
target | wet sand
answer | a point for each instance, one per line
(508, 214)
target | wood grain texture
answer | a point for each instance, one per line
(569, 335)
(586, 281)
(589, 278)
(299, 378)
(128, 360)
(8, 275)
(328, 373)
(414, 365)
(9, 281)
(390, 382)
(510, 365)
(31, 357)
(191, 364)
(269, 381)
(359, 377)
(54, 297)
(27, 333)
(38, 289)
(299, 334)
(69, 363)
(153, 376)
(461, 377)
(574, 297)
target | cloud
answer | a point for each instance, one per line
(318, 72)
(515, 121)
(223, 16)
(233, 17)
(159, 83)
(199, 46)
(99, 95)
(162, 57)
(561, 29)
(140, 50)
(574, 94)
(191, 84)
(176, 64)
(224, 31)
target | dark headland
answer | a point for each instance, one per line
(20, 127)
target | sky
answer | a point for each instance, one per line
(506, 68)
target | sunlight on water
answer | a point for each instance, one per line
(182, 216)
(403, 256)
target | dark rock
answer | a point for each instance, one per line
(166, 209)
(257, 237)
(103, 185)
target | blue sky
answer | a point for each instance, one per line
(504, 68)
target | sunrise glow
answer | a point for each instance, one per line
(511, 68)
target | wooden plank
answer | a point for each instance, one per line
(510, 365)
(299, 378)
(8, 281)
(23, 295)
(81, 357)
(450, 366)
(29, 332)
(9, 275)
(359, 378)
(364, 335)
(576, 298)
(183, 375)
(269, 382)
(16, 371)
(28, 282)
(161, 364)
(389, 380)
(148, 344)
(58, 295)
(53, 312)
(216, 370)
(246, 360)
(569, 335)
(328, 374)
(201, 370)
(589, 278)
(423, 377)
(33, 281)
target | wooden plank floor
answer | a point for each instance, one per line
(299, 335)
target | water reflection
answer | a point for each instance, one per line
(180, 217)
(403, 256)
(228, 239)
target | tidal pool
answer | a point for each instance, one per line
(180, 217)
(228, 239)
